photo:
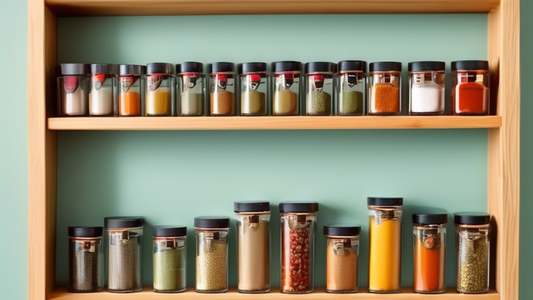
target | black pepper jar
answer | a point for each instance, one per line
(319, 88)
(86, 259)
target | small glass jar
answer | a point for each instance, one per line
(86, 259)
(319, 88)
(298, 227)
(72, 97)
(129, 99)
(222, 91)
(124, 270)
(350, 88)
(169, 258)
(253, 84)
(385, 216)
(159, 90)
(342, 258)
(472, 238)
(104, 90)
(426, 87)
(211, 254)
(470, 92)
(286, 88)
(191, 89)
(429, 253)
(385, 88)
(253, 246)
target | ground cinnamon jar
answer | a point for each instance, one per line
(385, 88)
(222, 89)
(342, 258)
(470, 93)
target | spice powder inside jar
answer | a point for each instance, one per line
(473, 272)
(342, 266)
(254, 256)
(386, 98)
(211, 267)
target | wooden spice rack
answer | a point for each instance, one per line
(503, 200)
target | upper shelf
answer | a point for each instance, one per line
(216, 7)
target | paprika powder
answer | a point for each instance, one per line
(470, 93)
(384, 88)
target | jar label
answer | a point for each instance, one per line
(154, 81)
(189, 81)
(126, 82)
(285, 80)
(70, 84)
(255, 81)
(351, 79)
(98, 81)
(318, 82)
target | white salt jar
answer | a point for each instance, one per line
(103, 93)
(426, 87)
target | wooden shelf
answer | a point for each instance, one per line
(209, 7)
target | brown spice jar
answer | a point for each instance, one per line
(341, 267)
(385, 98)
(222, 103)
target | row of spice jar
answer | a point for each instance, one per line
(298, 229)
(330, 89)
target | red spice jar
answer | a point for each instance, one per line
(298, 227)
(384, 88)
(470, 93)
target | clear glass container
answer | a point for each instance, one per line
(298, 227)
(472, 238)
(426, 87)
(470, 92)
(319, 88)
(103, 93)
(211, 254)
(253, 88)
(253, 246)
(169, 256)
(124, 270)
(86, 259)
(385, 217)
(429, 253)
(385, 88)
(222, 89)
(129, 98)
(350, 88)
(191, 89)
(159, 90)
(286, 76)
(342, 258)
(72, 90)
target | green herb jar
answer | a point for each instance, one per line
(350, 88)
(319, 88)
(169, 258)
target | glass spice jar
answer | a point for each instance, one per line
(470, 92)
(191, 89)
(385, 83)
(342, 258)
(253, 246)
(124, 272)
(286, 88)
(426, 87)
(169, 255)
(429, 253)
(253, 84)
(72, 97)
(130, 80)
(298, 227)
(211, 254)
(385, 216)
(350, 88)
(472, 235)
(222, 91)
(159, 90)
(319, 88)
(104, 89)
(86, 259)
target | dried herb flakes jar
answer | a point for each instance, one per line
(103, 93)
(286, 77)
(169, 256)
(222, 89)
(159, 91)
(253, 88)
(342, 258)
(319, 88)
(191, 89)
(350, 88)
(86, 259)
(384, 92)
(72, 90)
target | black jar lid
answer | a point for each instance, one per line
(169, 231)
(159, 68)
(342, 230)
(123, 222)
(218, 67)
(319, 67)
(104, 69)
(351, 65)
(252, 67)
(298, 207)
(211, 222)
(84, 231)
(430, 219)
(471, 218)
(385, 66)
(190, 67)
(417, 66)
(286, 66)
(385, 201)
(251, 206)
(470, 65)
(132, 70)
(72, 69)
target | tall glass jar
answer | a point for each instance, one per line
(104, 90)
(130, 80)
(72, 89)
(253, 246)
(191, 89)
(86, 259)
(319, 88)
(169, 254)
(385, 84)
(470, 92)
(211, 254)
(350, 88)
(253, 88)
(222, 90)
(286, 77)
(124, 271)
(429, 253)
(385, 217)
(298, 227)
(426, 87)
(342, 258)
(159, 90)
(472, 238)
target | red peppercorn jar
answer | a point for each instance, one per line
(470, 93)
(298, 227)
